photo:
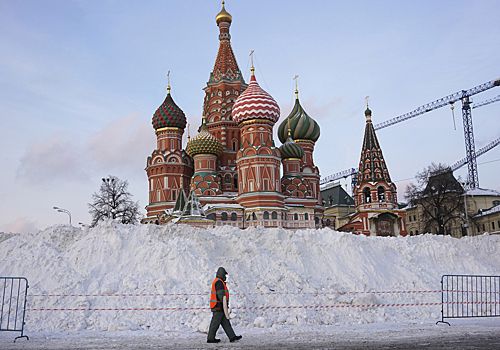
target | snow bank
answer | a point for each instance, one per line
(267, 267)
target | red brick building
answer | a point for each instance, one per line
(233, 167)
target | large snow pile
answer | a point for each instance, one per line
(267, 268)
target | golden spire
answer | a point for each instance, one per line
(168, 82)
(296, 90)
(189, 137)
(366, 98)
(252, 69)
(289, 130)
(223, 16)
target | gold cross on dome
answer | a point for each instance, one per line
(251, 55)
(295, 81)
(366, 98)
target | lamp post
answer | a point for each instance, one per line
(466, 216)
(61, 210)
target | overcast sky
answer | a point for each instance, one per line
(80, 80)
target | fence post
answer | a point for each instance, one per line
(13, 309)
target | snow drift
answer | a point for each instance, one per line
(117, 266)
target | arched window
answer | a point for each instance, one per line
(327, 222)
(306, 216)
(233, 217)
(274, 215)
(266, 215)
(223, 216)
(254, 217)
(235, 179)
(381, 195)
(367, 195)
(228, 178)
(295, 216)
(330, 200)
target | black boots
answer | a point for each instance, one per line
(235, 338)
(213, 340)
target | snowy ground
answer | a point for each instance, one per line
(334, 289)
(462, 334)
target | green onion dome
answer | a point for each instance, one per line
(169, 115)
(302, 126)
(291, 149)
(368, 111)
(204, 143)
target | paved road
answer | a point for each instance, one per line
(462, 336)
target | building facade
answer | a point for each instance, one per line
(232, 167)
(375, 197)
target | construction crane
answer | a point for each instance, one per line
(353, 172)
(464, 96)
(470, 152)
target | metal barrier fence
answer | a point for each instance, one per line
(14, 291)
(465, 296)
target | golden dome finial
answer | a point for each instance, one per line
(252, 69)
(296, 90)
(223, 16)
(168, 82)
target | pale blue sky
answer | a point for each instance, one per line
(80, 80)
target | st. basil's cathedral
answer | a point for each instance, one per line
(230, 172)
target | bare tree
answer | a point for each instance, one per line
(114, 201)
(440, 196)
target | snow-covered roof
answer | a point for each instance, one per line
(482, 192)
(495, 209)
(222, 206)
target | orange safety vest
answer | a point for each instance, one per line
(213, 294)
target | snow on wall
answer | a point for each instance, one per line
(315, 268)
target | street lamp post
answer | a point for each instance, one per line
(61, 210)
(466, 215)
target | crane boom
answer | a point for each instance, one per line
(481, 151)
(486, 102)
(439, 103)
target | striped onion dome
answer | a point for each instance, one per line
(204, 143)
(255, 103)
(302, 126)
(291, 149)
(169, 114)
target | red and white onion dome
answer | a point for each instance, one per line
(255, 103)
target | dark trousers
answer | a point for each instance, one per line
(218, 318)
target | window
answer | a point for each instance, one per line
(223, 216)
(266, 215)
(492, 225)
(212, 216)
(411, 233)
(410, 218)
(233, 217)
(173, 195)
(235, 178)
(306, 216)
(414, 218)
(274, 215)
(295, 216)
(254, 217)
(416, 232)
(367, 194)
(381, 197)
(327, 222)
(228, 178)
(265, 187)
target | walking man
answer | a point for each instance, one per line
(219, 300)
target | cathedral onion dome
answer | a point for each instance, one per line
(255, 103)
(302, 126)
(204, 143)
(169, 115)
(291, 149)
(223, 16)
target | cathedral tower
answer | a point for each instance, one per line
(226, 83)
(375, 195)
(169, 162)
